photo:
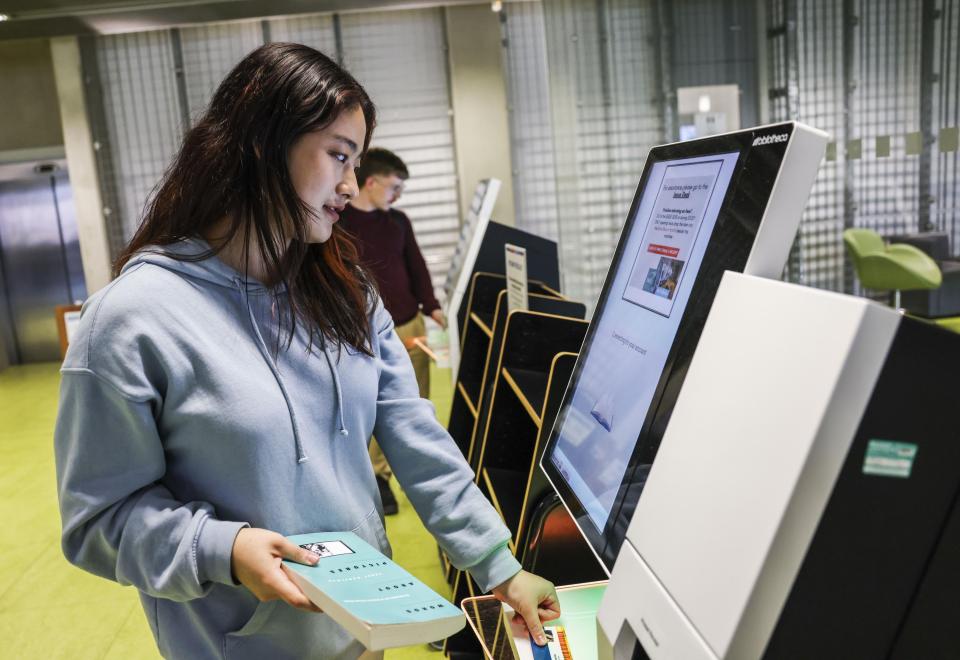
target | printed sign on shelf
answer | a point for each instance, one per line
(516, 277)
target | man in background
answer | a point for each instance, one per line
(388, 248)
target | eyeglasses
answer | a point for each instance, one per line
(396, 188)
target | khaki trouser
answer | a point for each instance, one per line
(421, 367)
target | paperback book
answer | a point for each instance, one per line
(371, 596)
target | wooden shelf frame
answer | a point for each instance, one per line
(481, 297)
(532, 341)
(530, 387)
(487, 300)
(481, 324)
(478, 298)
(506, 489)
(491, 492)
(542, 305)
(481, 321)
(486, 290)
(463, 588)
(529, 407)
(466, 398)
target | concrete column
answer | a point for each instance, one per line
(81, 161)
(478, 94)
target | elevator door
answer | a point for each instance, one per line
(40, 265)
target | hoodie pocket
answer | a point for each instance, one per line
(255, 622)
(286, 633)
(372, 531)
(234, 642)
(277, 631)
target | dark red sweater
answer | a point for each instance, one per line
(389, 250)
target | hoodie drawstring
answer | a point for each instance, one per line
(210, 269)
(339, 390)
(264, 351)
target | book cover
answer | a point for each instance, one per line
(371, 596)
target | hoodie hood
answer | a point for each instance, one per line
(186, 258)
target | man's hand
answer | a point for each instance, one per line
(437, 315)
(534, 599)
(256, 558)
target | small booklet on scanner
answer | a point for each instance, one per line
(524, 648)
(373, 598)
(571, 637)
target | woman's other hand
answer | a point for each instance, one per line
(533, 598)
(256, 559)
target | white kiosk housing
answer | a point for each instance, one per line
(799, 498)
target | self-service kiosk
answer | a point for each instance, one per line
(803, 503)
(765, 470)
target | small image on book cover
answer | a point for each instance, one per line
(328, 549)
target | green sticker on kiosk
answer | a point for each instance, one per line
(886, 458)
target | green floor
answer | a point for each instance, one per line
(49, 609)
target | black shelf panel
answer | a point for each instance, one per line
(533, 387)
(464, 641)
(467, 399)
(484, 321)
(507, 488)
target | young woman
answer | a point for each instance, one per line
(221, 390)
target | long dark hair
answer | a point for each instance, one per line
(233, 163)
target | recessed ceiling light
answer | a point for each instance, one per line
(4, 17)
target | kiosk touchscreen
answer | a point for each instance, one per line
(726, 202)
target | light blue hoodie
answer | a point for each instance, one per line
(181, 421)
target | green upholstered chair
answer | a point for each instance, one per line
(896, 267)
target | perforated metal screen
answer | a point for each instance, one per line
(531, 127)
(138, 126)
(716, 44)
(400, 58)
(589, 87)
(862, 71)
(820, 99)
(603, 113)
(209, 53)
(945, 120)
(885, 101)
(144, 88)
(859, 69)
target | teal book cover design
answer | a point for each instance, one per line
(366, 583)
